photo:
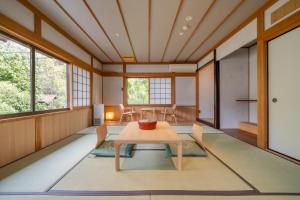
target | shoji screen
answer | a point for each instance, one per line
(81, 87)
(284, 95)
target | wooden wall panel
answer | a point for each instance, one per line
(17, 140)
(56, 127)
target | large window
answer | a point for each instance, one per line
(81, 87)
(149, 91)
(50, 83)
(28, 85)
(15, 84)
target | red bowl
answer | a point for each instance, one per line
(147, 125)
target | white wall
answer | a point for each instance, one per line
(147, 68)
(97, 64)
(112, 68)
(97, 88)
(183, 68)
(50, 34)
(206, 59)
(238, 40)
(18, 13)
(253, 84)
(112, 90)
(233, 85)
(185, 91)
(207, 91)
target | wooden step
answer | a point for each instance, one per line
(248, 127)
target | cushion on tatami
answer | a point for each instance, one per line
(156, 160)
(106, 149)
(189, 149)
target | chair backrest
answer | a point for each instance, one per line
(174, 107)
(197, 133)
(101, 134)
(122, 108)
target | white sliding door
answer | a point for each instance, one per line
(284, 93)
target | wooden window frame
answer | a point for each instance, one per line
(33, 50)
(149, 105)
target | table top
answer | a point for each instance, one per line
(162, 134)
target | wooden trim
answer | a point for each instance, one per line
(284, 10)
(32, 8)
(237, 29)
(16, 30)
(217, 27)
(126, 29)
(101, 27)
(172, 29)
(262, 83)
(37, 25)
(282, 27)
(217, 93)
(148, 75)
(196, 28)
(173, 89)
(197, 94)
(149, 29)
(147, 63)
(78, 25)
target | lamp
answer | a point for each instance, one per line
(109, 115)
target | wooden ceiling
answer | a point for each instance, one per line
(149, 30)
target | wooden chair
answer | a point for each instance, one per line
(101, 134)
(126, 112)
(170, 112)
(197, 134)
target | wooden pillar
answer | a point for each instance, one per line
(262, 83)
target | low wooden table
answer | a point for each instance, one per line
(163, 134)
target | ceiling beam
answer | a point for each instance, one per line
(149, 29)
(217, 27)
(148, 63)
(126, 29)
(75, 22)
(36, 11)
(195, 30)
(172, 29)
(101, 27)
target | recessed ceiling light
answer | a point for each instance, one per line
(117, 34)
(188, 18)
(181, 33)
(185, 27)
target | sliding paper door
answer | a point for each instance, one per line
(284, 93)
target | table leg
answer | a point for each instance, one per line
(117, 156)
(179, 156)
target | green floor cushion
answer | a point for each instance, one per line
(190, 149)
(106, 149)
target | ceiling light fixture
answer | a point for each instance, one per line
(181, 33)
(117, 34)
(185, 27)
(188, 18)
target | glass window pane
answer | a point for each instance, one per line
(137, 90)
(15, 83)
(50, 83)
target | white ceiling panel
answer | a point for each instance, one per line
(163, 15)
(246, 10)
(136, 14)
(194, 8)
(108, 14)
(82, 16)
(218, 12)
(50, 9)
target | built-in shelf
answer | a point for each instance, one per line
(247, 100)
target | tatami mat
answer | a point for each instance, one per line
(267, 172)
(254, 197)
(38, 171)
(98, 174)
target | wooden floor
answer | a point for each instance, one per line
(242, 135)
